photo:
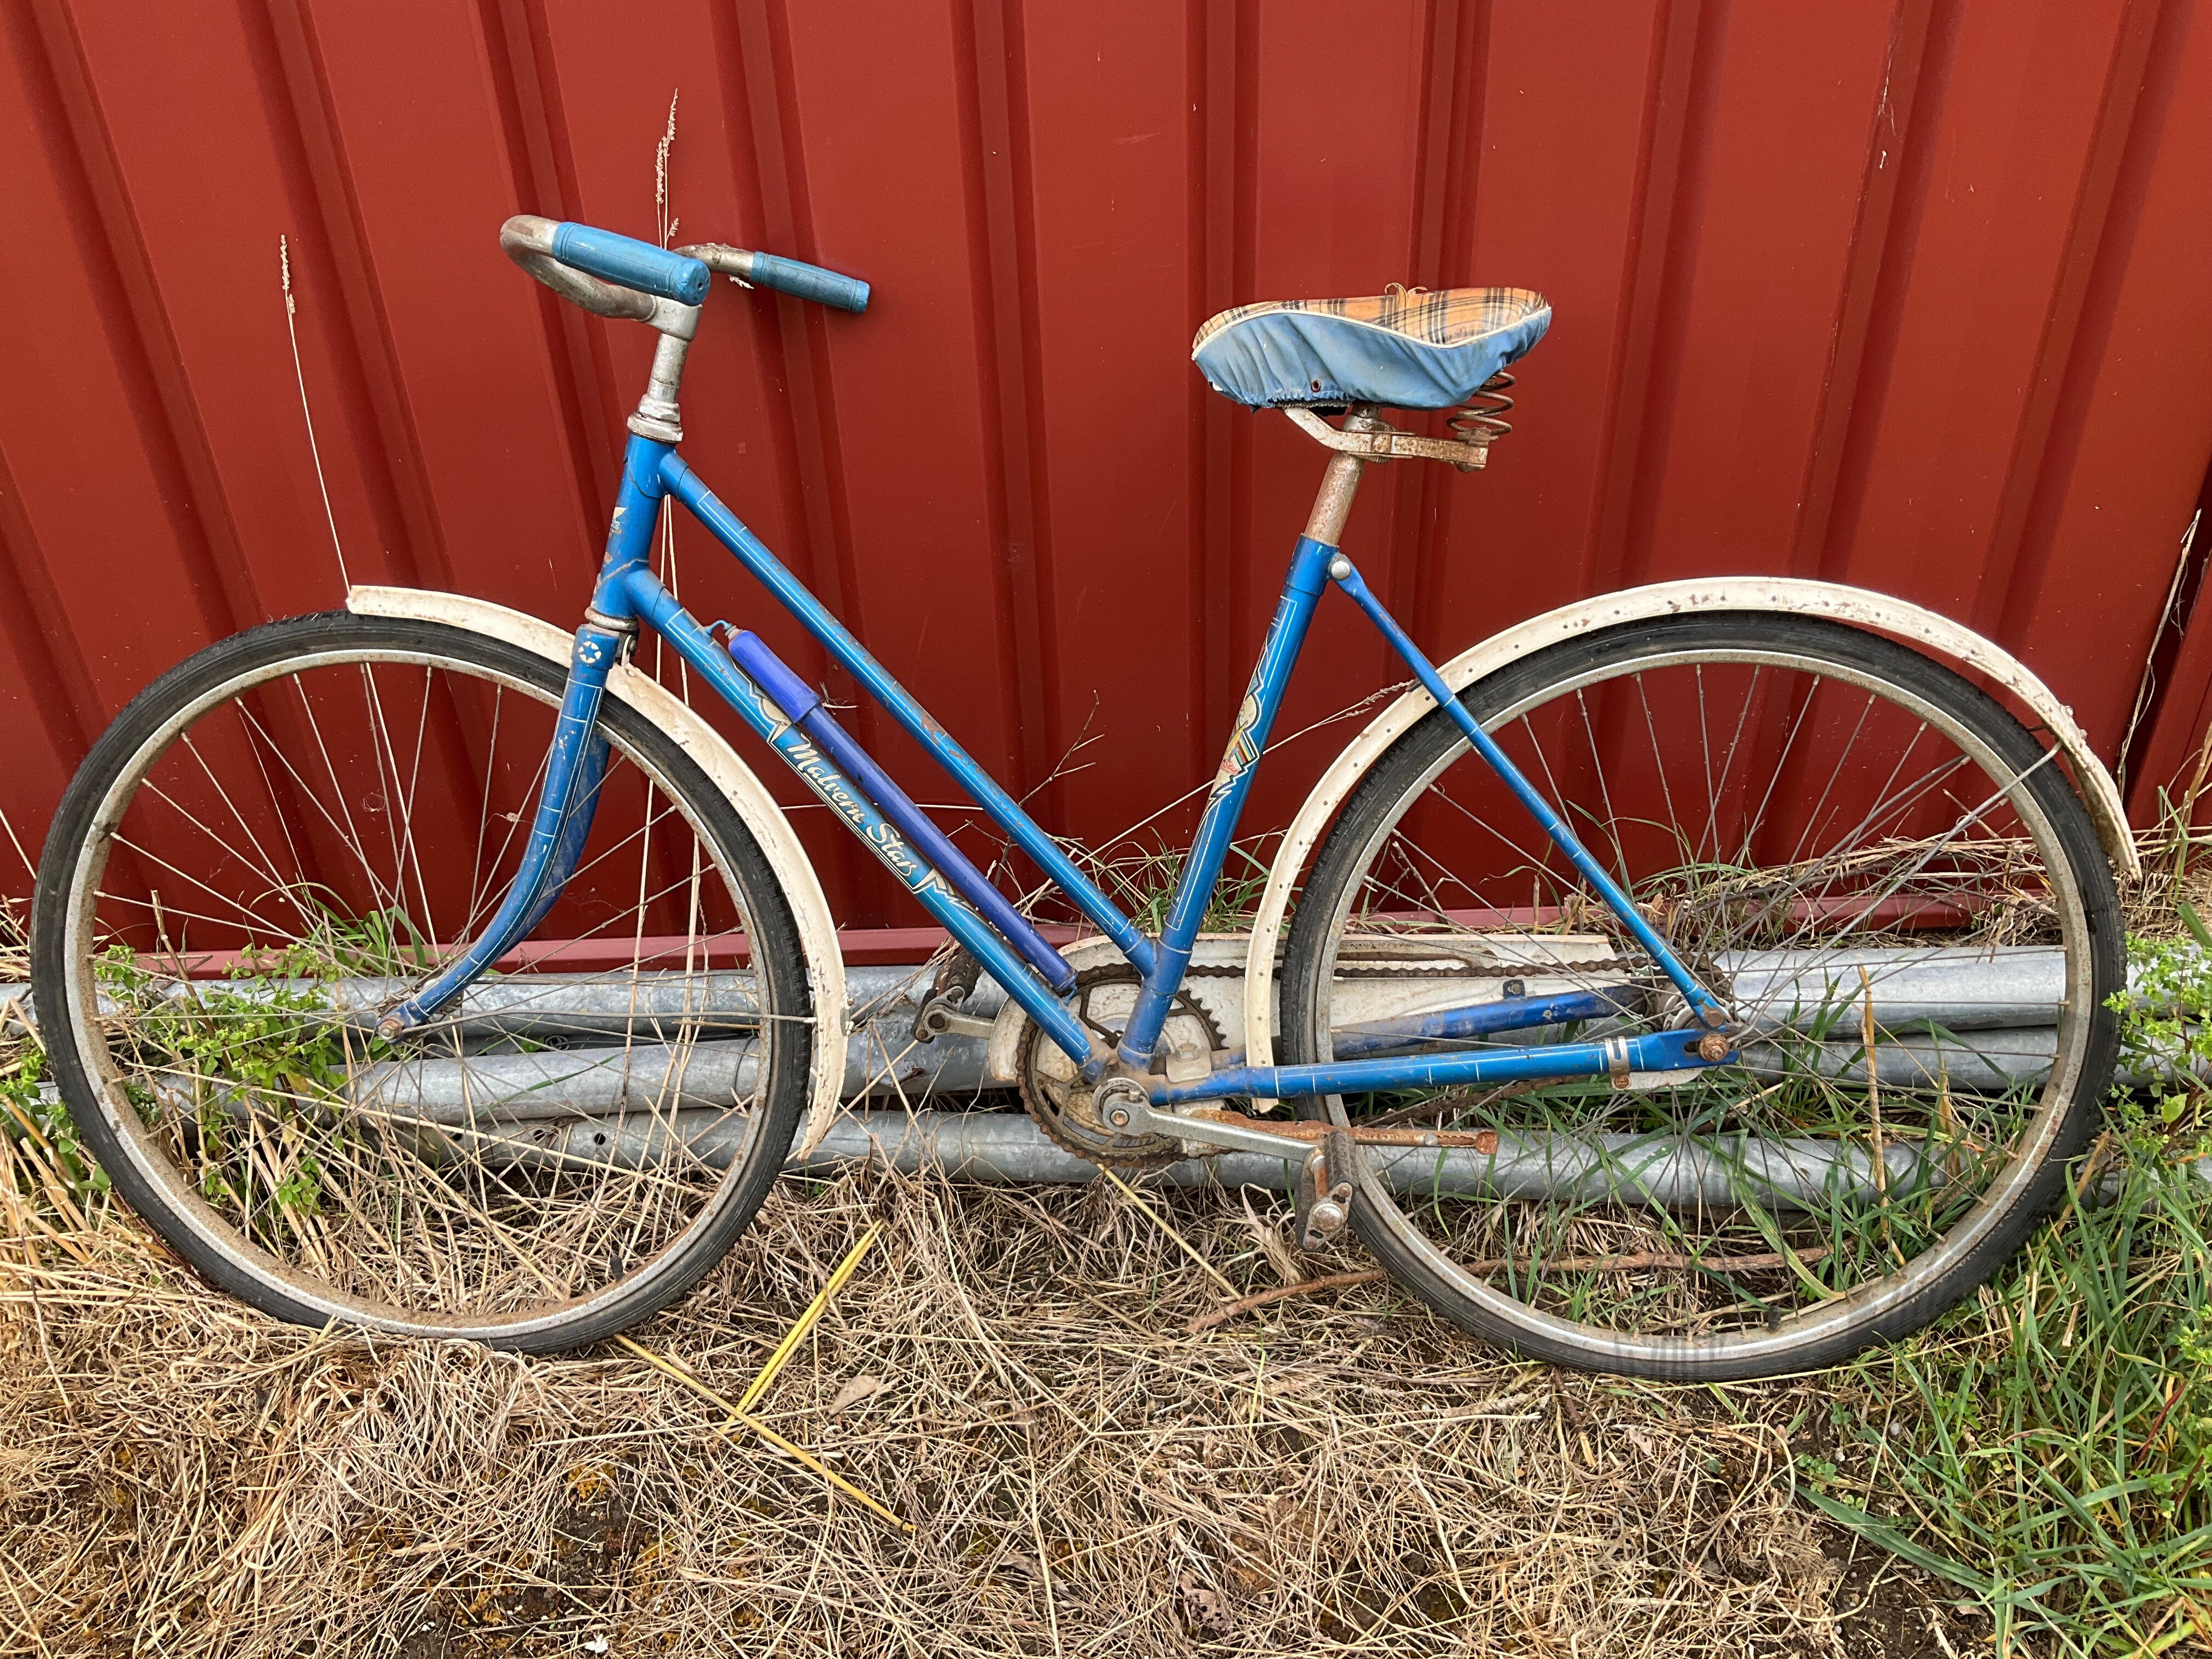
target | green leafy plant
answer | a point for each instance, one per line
(2165, 1026)
(29, 1110)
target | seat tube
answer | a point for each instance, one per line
(1255, 718)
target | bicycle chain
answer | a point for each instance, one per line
(1094, 1143)
(1087, 1138)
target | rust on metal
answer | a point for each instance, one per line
(1484, 1141)
(1380, 441)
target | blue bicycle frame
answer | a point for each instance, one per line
(779, 706)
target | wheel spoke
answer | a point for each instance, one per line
(493, 1171)
(1843, 798)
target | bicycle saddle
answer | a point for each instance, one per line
(1407, 348)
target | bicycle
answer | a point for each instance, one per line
(1714, 1068)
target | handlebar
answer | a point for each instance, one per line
(632, 263)
(614, 275)
(791, 277)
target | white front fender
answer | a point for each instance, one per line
(1854, 606)
(756, 807)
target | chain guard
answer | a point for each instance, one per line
(1061, 1106)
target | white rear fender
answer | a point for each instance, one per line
(756, 807)
(1854, 606)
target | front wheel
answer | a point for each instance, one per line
(1888, 878)
(284, 836)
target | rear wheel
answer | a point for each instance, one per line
(278, 841)
(1887, 876)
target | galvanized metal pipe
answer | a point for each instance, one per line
(881, 1058)
(1007, 1149)
(1958, 990)
(1665, 1171)
(1986, 1003)
(1953, 988)
(1974, 1063)
(587, 1085)
(652, 1006)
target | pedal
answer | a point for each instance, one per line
(940, 1013)
(940, 1016)
(959, 975)
(1322, 1201)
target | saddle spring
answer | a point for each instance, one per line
(1481, 420)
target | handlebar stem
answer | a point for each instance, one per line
(658, 416)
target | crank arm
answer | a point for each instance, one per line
(1123, 1106)
(941, 1016)
(1325, 1156)
(1234, 1132)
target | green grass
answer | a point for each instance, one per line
(2048, 1447)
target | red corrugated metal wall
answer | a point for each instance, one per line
(1912, 296)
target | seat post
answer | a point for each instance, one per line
(1340, 482)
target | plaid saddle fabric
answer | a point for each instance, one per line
(1406, 347)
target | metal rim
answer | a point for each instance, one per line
(184, 1203)
(1853, 1309)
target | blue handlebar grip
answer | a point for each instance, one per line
(809, 283)
(634, 264)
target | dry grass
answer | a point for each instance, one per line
(1011, 1373)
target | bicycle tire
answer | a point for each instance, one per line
(2084, 910)
(67, 949)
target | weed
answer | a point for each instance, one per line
(2048, 1447)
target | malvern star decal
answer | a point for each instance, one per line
(827, 781)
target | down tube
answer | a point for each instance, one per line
(658, 606)
(725, 526)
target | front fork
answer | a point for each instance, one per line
(577, 764)
(575, 768)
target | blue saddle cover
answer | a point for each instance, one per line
(1408, 348)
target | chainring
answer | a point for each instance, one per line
(1057, 1099)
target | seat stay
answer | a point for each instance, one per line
(1702, 1001)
